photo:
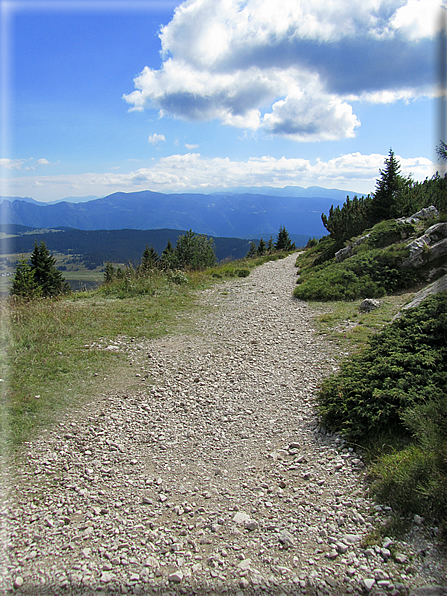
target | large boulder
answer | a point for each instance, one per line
(440, 285)
(426, 213)
(428, 248)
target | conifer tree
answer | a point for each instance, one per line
(270, 246)
(387, 188)
(261, 248)
(283, 241)
(24, 284)
(441, 150)
(195, 251)
(252, 251)
(168, 257)
(46, 276)
(149, 258)
(109, 273)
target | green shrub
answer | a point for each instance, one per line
(370, 274)
(242, 272)
(414, 480)
(401, 367)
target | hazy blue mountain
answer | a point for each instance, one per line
(26, 199)
(245, 215)
(73, 200)
(294, 191)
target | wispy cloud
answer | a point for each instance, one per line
(190, 147)
(23, 164)
(154, 139)
(11, 164)
(290, 68)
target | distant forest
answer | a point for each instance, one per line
(94, 248)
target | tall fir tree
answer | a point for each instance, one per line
(283, 241)
(383, 204)
(262, 247)
(168, 257)
(149, 258)
(46, 275)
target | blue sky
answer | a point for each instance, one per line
(100, 96)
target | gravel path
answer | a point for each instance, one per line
(213, 477)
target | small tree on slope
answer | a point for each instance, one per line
(388, 186)
(283, 241)
(46, 275)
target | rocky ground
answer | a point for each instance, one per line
(212, 477)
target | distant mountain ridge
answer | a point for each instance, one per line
(229, 214)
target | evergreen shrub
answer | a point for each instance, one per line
(403, 366)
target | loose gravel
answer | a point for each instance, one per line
(214, 476)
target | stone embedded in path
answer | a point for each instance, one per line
(175, 577)
(241, 518)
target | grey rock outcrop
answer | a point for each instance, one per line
(426, 213)
(344, 253)
(439, 285)
(428, 248)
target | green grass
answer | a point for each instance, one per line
(350, 329)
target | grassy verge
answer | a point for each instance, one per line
(390, 398)
(48, 364)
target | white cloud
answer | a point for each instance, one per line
(20, 164)
(182, 173)
(11, 164)
(155, 138)
(289, 68)
(190, 147)
(417, 19)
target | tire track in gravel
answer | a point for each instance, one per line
(212, 476)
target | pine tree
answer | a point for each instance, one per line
(46, 276)
(109, 273)
(149, 258)
(24, 284)
(168, 257)
(441, 150)
(270, 246)
(195, 251)
(283, 241)
(387, 188)
(252, 251)
(261, 248)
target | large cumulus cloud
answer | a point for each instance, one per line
(292, 67)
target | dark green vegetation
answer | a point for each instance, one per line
(96, 247)
(393, 393)
(390, 397)
(372, 271)
(39, 276)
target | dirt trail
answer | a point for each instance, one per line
(212, 475)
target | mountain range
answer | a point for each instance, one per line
(251, 214)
